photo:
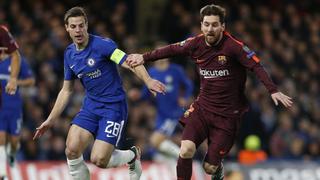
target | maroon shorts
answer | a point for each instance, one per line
(220, 131)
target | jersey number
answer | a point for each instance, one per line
(112, 128)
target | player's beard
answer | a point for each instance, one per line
(213, 38)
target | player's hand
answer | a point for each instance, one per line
(284, 99)
(42, 129)
(134, 60)
(182, 102)
(155, 87)
(11, 86)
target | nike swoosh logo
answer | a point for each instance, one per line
(108, 135)
(72, 66)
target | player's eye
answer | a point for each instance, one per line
(215, 24)
(206, 24)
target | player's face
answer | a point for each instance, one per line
(212, 29)
(162, 64)
(78, 30)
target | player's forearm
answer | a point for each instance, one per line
(139, 71)
(60, 104)
(15, 64)
(26, 82)
(164, 52)
(142, 73)
(265, 79)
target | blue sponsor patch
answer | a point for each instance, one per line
(249, 52)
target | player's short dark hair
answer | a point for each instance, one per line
(215, 10)
(75, 12)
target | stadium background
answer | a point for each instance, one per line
(284, 33)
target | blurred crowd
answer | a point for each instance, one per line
(285, 34)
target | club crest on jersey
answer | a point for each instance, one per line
(222, 60)
(91, 62)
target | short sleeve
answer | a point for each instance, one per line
(68, 73)
(110, 50)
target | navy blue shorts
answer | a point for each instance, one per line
(166, 125)
(11, 121)
(105, 121)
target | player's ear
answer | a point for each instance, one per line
(223, 26)
(66, 26)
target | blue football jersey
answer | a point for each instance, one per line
(12, 101)
(175, 79)
(96, 67)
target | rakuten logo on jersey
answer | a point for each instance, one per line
(214, 73)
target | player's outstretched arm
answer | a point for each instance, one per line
(153, 85)
(26, 82)
(284, 99)
(60, 104)
(134, 60)
(12, 84)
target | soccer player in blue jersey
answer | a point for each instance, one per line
(170, 106)
(11, 112)
(94, 60)
(9, 47)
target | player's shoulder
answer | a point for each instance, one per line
(3, 28)
(194, 39)
(102, 42)
(69, 50)
(100, 39)
(232, 40)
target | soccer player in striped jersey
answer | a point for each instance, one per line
(222, 63)
(93, 60)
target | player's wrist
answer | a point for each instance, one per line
(15, 79)
(148, 79)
